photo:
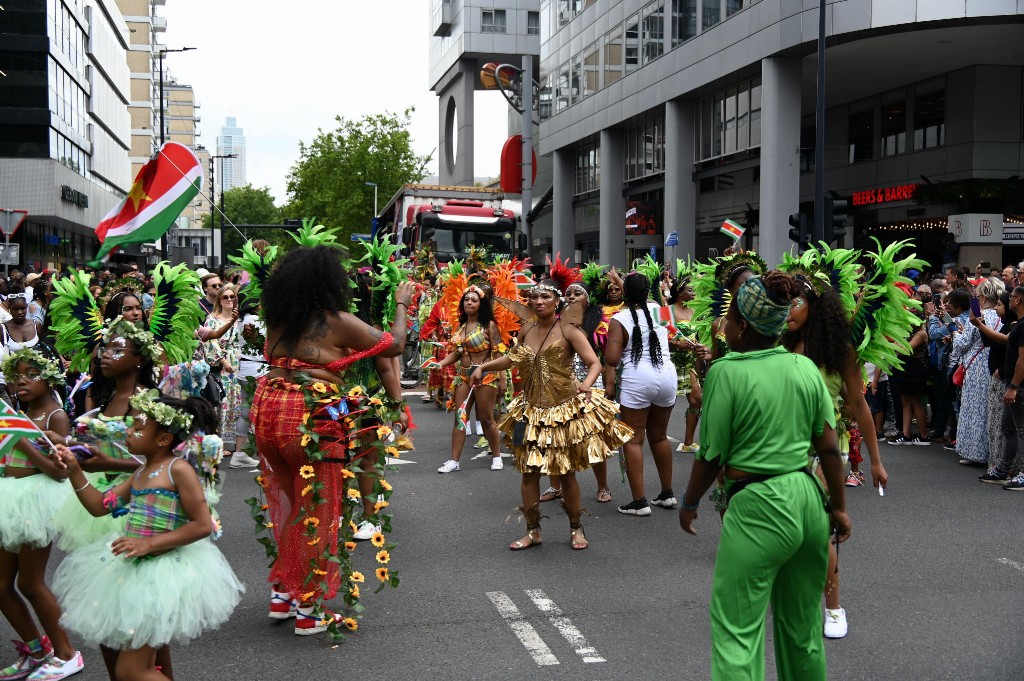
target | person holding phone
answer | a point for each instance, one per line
(972, 432)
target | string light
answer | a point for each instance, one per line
(922, 225)
(1013, 219)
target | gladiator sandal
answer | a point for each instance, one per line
(577, 539)
(532, 538)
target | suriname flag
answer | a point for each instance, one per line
(163, 188)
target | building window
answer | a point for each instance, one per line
(533, 23)
(893, 126)
(929, 119)
(562, 98)
(729, 121)
(632, 43)
(591, 70)
(545, 97)
(733, 6)
(645, 149)
(492, 21)
(588, 169)
(613, 55)
(807, 140)
(860, 130)
(684, 21)
(576, 84)
(653, 28)
(711, 14)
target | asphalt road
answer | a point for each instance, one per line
(932, 580)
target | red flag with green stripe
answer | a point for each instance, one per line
(164, 187)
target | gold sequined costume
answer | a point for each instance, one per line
(564, 432)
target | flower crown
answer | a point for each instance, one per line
(176, 421)
(49, 369)
(143, 339)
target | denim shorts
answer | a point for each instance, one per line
(877, 400)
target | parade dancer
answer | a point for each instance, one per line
(556, 426)
(33, 488)
(683, 349)
(161, 579)
(775, 533)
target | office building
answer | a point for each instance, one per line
(231, 141)
(670, 116)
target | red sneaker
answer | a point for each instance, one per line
(309, 622)
(282, 605)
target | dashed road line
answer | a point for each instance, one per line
(564, 626)
(523, 630)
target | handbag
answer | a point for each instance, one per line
(961, 371)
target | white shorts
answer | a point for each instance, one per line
(641, 389)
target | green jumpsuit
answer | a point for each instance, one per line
(767, 407)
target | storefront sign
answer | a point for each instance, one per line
(1013, 233)
(977, 228)
(74, 196)
(903, 192)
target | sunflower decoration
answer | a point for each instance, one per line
(383, 557)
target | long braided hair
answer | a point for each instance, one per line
(635, 290)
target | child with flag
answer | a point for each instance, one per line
(33, 488)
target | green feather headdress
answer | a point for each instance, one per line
(711, 296)
(386, 269)
(313, 235)
(176, 313)
(650, 268)
(76, 318)
(257, 265)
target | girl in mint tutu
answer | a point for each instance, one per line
(32, 489)
(161, 580)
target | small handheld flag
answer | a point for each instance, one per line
(732, 229)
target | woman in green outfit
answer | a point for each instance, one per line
(775, 534)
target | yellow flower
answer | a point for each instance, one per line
(314, 542)
(502, 348)
(375, 401)
(319, 573)
(307, 489)
(383, 557)
(356, 391)
(312, 520)
(383, 432)
(264, 507)
(353, 493)
(308, 595)
(354, 592)
(392, 451)
(380, 504)
(377, 539)
(382, 574)
(350, 623)
(306, 439)
(259, 480)
(350, 546)
(346, 473)
(307, 472)
(268, 524)
(305, 417)
(319, 387)
(352, 524)
(386, 485)
(358, 577)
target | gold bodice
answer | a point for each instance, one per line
(548, 379)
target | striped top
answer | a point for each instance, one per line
(154, 511)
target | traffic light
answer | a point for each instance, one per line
(835, 219)
(800, 232)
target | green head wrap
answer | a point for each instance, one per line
(766, 316)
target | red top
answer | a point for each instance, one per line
(337, 365)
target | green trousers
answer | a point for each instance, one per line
(774, 548)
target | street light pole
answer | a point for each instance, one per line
(164, 240)
(213, 205)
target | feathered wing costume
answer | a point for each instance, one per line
(711, 294)
(386, 267)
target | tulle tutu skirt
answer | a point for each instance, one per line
(27, 509)
(126, 603)
(77, 528)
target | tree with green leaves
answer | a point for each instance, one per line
(329, 179)
(250, 205)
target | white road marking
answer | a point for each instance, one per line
(564, 625)
(523, 630)
(1011, 563)
(487, 455)
(413, 393)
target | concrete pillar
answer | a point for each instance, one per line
(455, 124)
(563, 232)
(780, 154)
(612, 234)
(680, 188)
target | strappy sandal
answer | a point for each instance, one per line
(531, 539)
(580, 543)
(604, 495)
(550, 494)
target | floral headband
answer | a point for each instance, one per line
(144, 340)
(49, 369)
(579, 286)
(474, 289)
(547, 287)
(178, 422)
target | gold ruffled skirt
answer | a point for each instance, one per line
(567, 437)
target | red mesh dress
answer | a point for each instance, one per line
(303, 566)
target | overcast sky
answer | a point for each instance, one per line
(286, 69)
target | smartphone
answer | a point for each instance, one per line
(936, 299)
(975, 306)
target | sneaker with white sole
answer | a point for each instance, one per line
(243, 460)
(307, 622)
(638, 507)
(898, 440)
(1016, 484)
(496, 463)
(835, 623)
(27, 664)
(365, 531)
(667, 499)
(54, 668)
(449, 466)
(282, 605)
(481, 443)
(855, 479)
(689, 449)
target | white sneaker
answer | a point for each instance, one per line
(449, 466)
(55, 668)
(835, 623)
(365, 530)
(496, 463)
(243, 460)
(688, 448)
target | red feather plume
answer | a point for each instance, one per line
(561, 273)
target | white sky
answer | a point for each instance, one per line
(286, 69)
